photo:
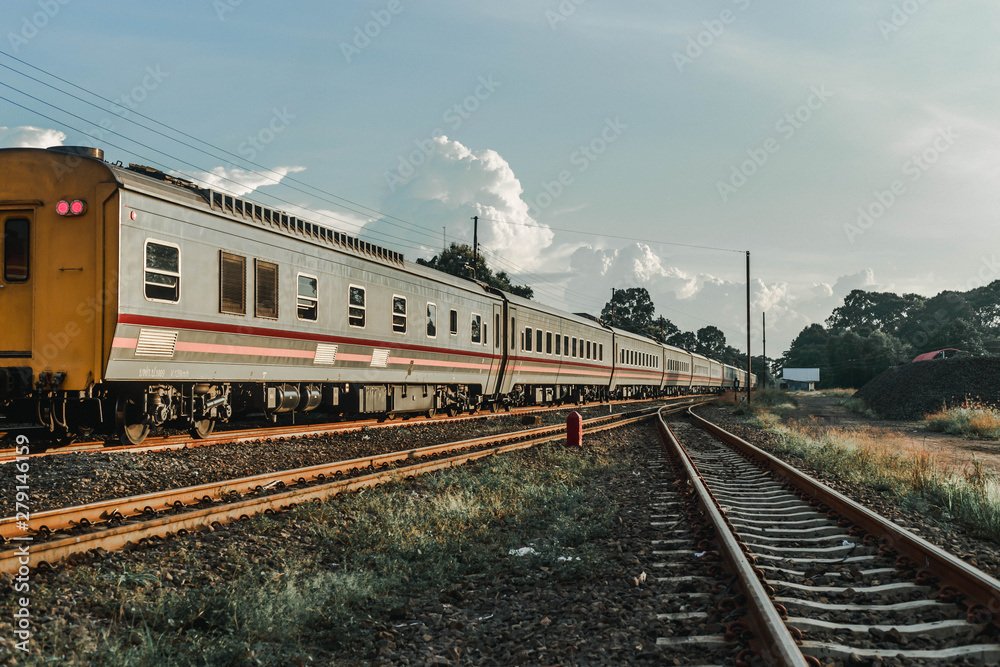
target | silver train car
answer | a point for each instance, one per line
(133, 299)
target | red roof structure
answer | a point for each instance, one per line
(936, 354)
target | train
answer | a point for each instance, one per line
(132, 299)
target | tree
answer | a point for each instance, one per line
(684, 340)
(630, 309)
(873, 311)
(457, 260)
(711, 342)
(661, 329)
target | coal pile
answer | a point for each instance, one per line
(916, 389)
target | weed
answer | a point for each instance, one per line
(858, 406)
(971, 419)
(895, 466)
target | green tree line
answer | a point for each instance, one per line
(873, 331)
(633, 310)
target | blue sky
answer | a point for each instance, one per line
(846, 145)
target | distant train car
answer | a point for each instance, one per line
(555, 356)
(132, 299)
(678, 370)
(638, 366)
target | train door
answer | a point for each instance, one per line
(495, 345)
(508, 342)
(16, 298)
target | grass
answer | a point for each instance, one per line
(858, 406)
(312, 583)
(894, 466)
(767, 401)
(971, 419)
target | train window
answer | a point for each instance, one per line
(356, 306)
(600, 352)
(453, 322)
(574, 347)
(477, 328)
(548, 342)
(486, 335)
(496, 332)
(266, 289)
(558, 346)
(232, 283)
(513, 334)
(308, 297)
(527, 339)
(399, 314)
(538, 340)
(16, 239)
(163, 271)
(588, 349)
(432, 316)
(566, 345)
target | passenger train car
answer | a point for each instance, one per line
(131, 299)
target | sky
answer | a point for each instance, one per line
(848, 145)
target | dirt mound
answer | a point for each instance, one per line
(915, 389)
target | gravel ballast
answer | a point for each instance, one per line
(596, 603)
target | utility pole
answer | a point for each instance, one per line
(475, 243)
(763, 333)
(444, 239)
(748, 328)
(612, 306)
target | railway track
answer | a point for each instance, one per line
(822, 578)
(56, 535)
(170, 442)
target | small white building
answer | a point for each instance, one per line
(800, 379)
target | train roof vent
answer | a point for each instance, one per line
(293, 226)
(82, 151)
(161, 176)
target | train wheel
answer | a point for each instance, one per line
(131, 421)
(430, 413)
(202, 428)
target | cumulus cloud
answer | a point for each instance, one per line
(454, 183)
(695, 300)
(235, 181)
(27, 136)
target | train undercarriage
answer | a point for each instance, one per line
(130, 410)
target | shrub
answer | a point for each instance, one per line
(971, 419)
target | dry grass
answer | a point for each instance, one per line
(971, 419)
(896, 466)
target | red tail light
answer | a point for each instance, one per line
(75, 207)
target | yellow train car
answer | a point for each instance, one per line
(59, 215)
